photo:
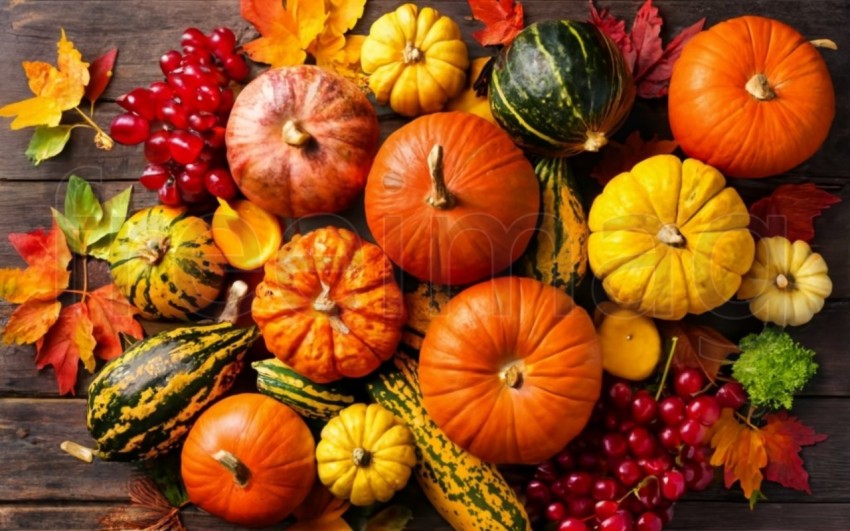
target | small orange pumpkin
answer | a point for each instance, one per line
(329, 306)
(451, 199)
(751, 97)
(510, 370)
(249, 460)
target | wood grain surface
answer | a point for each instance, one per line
(42, 488)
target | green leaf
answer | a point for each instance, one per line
(47, 142)
(82, 206)
(71, 231)
(114, 213)
(393, 518)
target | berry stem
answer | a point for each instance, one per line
(673, 342)
(101, 139)
(747, 420)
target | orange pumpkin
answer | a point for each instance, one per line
(510, 370)
(249, 460)
(329, 306)
(451, 199)
(751, 97)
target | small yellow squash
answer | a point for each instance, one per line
(669, 238)
(416, 60)
(630, 342)
(366, 454)
(788, 282)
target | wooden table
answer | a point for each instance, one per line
(42, 488)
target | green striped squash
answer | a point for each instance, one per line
(422, 305)
(557, 255)
(166, 263)
(560, 88)
(312, 400)
(467, 492)
(143, 402)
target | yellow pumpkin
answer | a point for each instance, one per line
(787, 284)
(669, 238)
(630, 342)
(416, 60)
(366, 454)
(469, 100)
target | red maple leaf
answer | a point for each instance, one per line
(698, 347)
(503, 20)
(67, 342)
(650, 62)
(111, 314)
(784, 437)
(100, 74)
(618, 158)
(790, 211)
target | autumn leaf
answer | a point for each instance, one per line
(89, 226)
(618, 158)
(30, 321)
(784, 437)
(698, 347)
(68, 342)
(740, 450)
(651, 64)
(148, 509)
(111, 315)
(56, 89)
(100, 74)
(393, 518)
(321, 511)
(503, 20)
(46, 276)
(47, 142)
(790, 211)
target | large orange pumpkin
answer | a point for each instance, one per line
(300, 141)
(249, 460)
(751, 97)
(329, 306)
(451, 199)
(510, 370)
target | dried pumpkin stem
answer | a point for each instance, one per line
(670, 235)
(595, 141)
(440, 197)
(294, 135)
(155, 250)
(231, 463)
(829, 44)
(235, 294)
(325, 304)
(412, 54)
(361, 457)
(782, 281)
(512, 375)
(78, 451)
(759, 88)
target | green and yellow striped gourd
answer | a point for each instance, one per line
(312, 400)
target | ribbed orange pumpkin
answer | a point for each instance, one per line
(751, 97)
(329, 306)
(451, 199)
(510, 370)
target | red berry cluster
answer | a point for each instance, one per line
(182, 119)
(635, 458)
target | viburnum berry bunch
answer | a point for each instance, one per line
(182, 119)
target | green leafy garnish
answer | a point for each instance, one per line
(772, 366)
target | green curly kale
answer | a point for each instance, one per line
(772, 366)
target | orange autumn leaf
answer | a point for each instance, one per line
(30, 321)
(618, 158)
(56, 89)
(46, 276)
(784, 438)
(741, 451)
(503, 20)
(321, 510)
(111, 314)
(68, 342)
(698, 347)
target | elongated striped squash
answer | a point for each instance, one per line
(143, 402)
(422, 304)
(561, 87)
(467, 492)
(557, 255)
(309, 399)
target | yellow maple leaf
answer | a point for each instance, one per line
(344, 14)
(56, 89)
(740, 450)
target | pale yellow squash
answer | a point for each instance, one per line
(787, 284)
(416, 60)
(630, 343)
(669, 238)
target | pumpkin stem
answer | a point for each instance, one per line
(412, 54)
(326, 305)
(235, 294)
(231, 463)
(361, 457)
(829, 44)
(595, 141)
(512, 375)
(77, 450)
(670, 235)
(440, 197)
(155, 250)
(759, 88)
(294, 135)
(782, 281)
